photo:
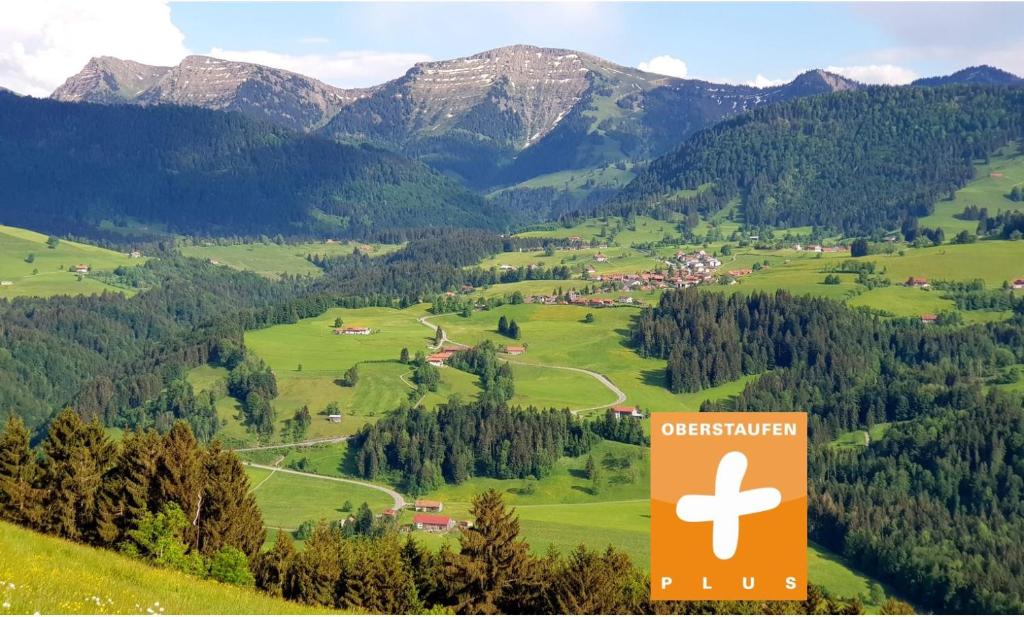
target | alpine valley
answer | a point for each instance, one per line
(269, 345)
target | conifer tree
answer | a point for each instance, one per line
(77, 459)
(270, 568)
(491, 561)
(128, 492)
(503, 325)
(230, 516)
(181, 476)
(20, 498)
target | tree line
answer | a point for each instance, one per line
(165, 498)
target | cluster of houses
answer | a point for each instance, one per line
(577, 298)
(354, 330)
(428, 517)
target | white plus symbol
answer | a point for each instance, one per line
(727, 505)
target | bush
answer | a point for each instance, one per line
(229, 565)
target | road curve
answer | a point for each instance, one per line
(399, 501)
(620, 396)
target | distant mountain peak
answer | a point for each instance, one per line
(833, 81)
(982, 74)
(279, 96)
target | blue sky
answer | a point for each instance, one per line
(733, 42)
(359, 44)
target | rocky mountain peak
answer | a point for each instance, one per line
(105, 79)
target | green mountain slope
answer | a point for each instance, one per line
(70, 166)
(856, 161)
(43, 574)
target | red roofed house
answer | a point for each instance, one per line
(82, 268)
(439, 358)
(389, 513)
(626, 411)
(426, 505)
(515, 350)
(1018, 284)
(432, 522)
(915, 281)
(929, 318)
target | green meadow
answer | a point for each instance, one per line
(272, 260)
(44, 574)
(324, 357)
(989, 189)
(557, 336)
(287, 499)
(51, 271)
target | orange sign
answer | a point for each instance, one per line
(729, 506)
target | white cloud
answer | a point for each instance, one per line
(876, 73)
(764, 82)
(664, 65)
(346, 69)
(42, 42)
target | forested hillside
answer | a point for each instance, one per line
(854, 161)
(66, 168)
(936, 507)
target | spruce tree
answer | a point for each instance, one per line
(491, 561)
(77, 459)
(270, 568)
(503, 325)
(128, 492)
(20, 498)
(230, 516)
(181, 476)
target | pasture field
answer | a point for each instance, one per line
(557, 336)
(325, 356)
(55, 267)
(287, 500)
(573, 180)
(272, 260)
(985, 191)
(646, 229)
(44, 574)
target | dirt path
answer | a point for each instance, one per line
(620, 396)
(399, 501)
(297, 444)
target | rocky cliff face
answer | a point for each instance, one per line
(280, 97)
(512, 113)
(491, 119)
(109, 80)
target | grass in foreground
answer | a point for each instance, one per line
(43, 574)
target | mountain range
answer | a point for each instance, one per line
(493, 119)
(542, 132)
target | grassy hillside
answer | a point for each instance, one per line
(42, 574)
(51, 271)
(989, 189)
(272, 260)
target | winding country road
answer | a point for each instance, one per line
(399, 501)
(620, 396)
